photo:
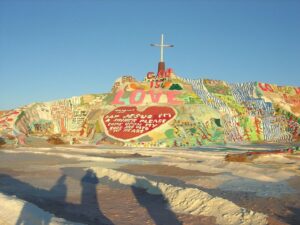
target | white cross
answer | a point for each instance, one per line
(162, 46)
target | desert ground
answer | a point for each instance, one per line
(132, 186)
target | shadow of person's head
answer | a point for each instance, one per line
(90, 177)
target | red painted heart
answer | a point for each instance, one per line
(127, 122)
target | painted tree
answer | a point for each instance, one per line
(258, 128)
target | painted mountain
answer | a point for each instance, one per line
(164, 110)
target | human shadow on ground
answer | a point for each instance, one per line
(293, 218)
(89, 198)
(156, 205)
(54, 200)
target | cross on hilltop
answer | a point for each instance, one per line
(161, 64)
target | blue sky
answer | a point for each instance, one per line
(61, 48)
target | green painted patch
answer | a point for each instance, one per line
(175, 87)
(170, 133)
(193, 130)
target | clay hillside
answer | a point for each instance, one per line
(164, 110)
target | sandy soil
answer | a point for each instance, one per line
(68, 192)
(60, 184)
(284, 210)
(163, 170)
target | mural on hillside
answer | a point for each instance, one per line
(165, 110)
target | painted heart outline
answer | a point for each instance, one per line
(127, 122)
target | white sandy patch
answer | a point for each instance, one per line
(13, 211)
(188, 200)
(254, 172)
(64, 155)
(262, 189)
(173, 154)
(274, 158)
(244, 170)
(230, 183)
(211, 182)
